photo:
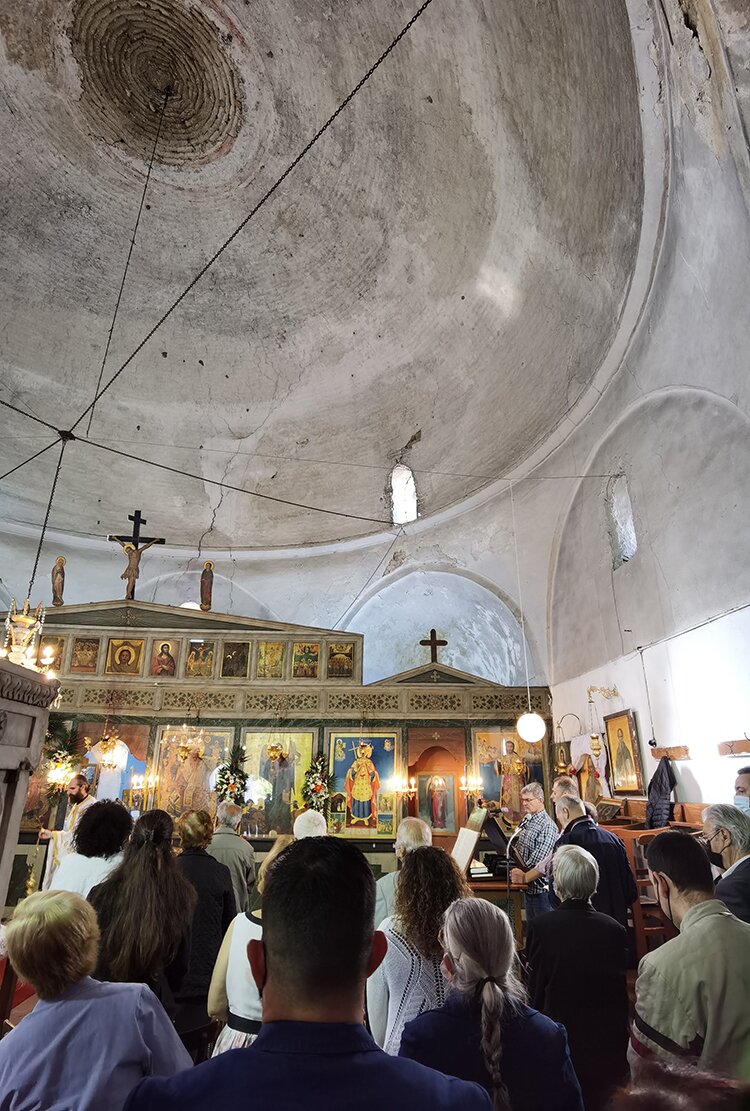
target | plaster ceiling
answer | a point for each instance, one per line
(444, 270)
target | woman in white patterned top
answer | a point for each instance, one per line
(409, 980)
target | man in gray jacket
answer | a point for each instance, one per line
(228, 847)
(691, 996)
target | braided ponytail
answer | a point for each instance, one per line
(479, 939)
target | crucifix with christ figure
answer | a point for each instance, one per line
(433, 644)
(134, 546)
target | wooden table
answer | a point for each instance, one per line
(507, 896)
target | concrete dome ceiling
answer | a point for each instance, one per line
(445, 270)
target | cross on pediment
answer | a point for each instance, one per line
(433, 644)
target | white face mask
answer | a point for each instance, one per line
(742, 802)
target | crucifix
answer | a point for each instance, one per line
(433, 644)
(134, 546)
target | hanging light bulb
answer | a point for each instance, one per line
(530, 726)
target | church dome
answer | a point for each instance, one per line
(437, 282)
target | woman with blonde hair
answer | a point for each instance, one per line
(213, 914)
(233, 996)
(409, 980)
(85, 1044)
(485, 1032)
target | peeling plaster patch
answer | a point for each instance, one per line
(398, 558)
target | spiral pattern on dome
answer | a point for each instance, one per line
(131, 53)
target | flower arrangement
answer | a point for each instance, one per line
(60, 759)
(316, 788)
(231, 778)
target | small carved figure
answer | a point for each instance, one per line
(132, 571)
(207, 584)
(58, 581)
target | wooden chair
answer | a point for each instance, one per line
(200, 1042)
(653, 928)
(649, 924)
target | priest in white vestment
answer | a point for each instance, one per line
(79, 800)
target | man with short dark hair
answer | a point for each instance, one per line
(692, 993)
(313, 1050)
(79, 800)
(617, 890)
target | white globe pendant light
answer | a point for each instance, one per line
(530, 726)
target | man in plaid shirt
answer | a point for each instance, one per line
(536, 839)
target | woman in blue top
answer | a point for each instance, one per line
(485, 1032)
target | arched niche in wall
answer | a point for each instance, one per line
(178, 587)
(437, 771)
(483, 634)
(686, 456)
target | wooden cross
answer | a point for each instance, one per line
(140, 543)
(433, 644)
(136, 538)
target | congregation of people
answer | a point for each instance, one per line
(312, 985)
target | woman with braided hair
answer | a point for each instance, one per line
(485, 1032)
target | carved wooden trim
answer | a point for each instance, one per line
(27, 688)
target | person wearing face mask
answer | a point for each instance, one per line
(726, 832)
(691, 995)
(742, 790)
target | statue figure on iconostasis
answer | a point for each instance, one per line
(58, 581)
(207, 584)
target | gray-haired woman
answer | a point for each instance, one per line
(596, 1018)
(485, 1032)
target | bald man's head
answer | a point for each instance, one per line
(567, 809)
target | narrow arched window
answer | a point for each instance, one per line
(403, 495)
(620, 522)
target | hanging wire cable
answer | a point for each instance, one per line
(266, 196)
(230, 486)
(30, 460)
(370, 578)
(63, 445)
(520, 596)
(29, 416)
(130, 254)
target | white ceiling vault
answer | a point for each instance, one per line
(438, 281)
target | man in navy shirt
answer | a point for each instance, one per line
(313, 1050)
(617, 890)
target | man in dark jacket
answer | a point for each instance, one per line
(596, 1019)
(726, 831)
(311, 966)
(617, 890)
